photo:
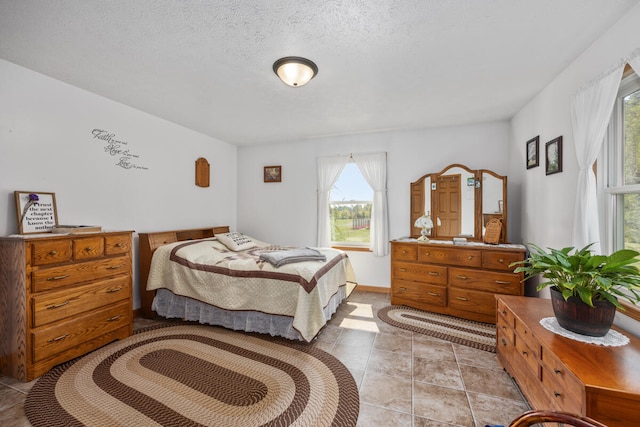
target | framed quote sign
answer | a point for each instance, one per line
(36, 211)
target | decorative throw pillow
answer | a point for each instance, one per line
(236, 241)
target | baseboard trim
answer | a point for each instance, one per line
(376, 289)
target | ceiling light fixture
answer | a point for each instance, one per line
(295, 71)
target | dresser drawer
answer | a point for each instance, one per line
(563, 398)
(404, 252)
(117, 244)
(496, 260)
(473, 301)
(56, 277)
(523, 333)
(504, 327)
(464, 257)
(501, 283)
(55, 339)
(88, 248)
(53, 306)
(558, 373)
(51, 252)
(427, 273)
(505, 315)
(420, 292)
(527, 356)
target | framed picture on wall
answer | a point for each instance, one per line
(533, 152)
(36, 211)
(553, 155)
(272, 173)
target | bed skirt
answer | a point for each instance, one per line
(172, 306)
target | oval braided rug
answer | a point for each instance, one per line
(460, 331)
(193, 375)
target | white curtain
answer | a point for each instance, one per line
(374, 170)
(329, 169)
(591, 111)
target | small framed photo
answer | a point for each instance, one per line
(533, 154)
(553, 155)
(36, 211)
(273, 174)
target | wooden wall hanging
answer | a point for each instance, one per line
(202, 172)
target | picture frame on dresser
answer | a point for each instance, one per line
(36, 211)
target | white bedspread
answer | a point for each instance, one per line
(209, 272)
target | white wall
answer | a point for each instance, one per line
(46, 144)
(548, 201)
(285, 213)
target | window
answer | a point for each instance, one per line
(622, 204)
(350, 203)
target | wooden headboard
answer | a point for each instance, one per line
(149, 242)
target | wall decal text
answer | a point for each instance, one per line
(119, 149)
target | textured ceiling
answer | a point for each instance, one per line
(384, 64)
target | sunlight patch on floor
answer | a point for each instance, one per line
(360, 317)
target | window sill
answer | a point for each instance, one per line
(351, 248)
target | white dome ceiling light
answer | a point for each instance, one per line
(295, 71)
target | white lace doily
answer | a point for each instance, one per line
(612, 339)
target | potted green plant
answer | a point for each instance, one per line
(585, 287)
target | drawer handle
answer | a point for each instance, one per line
(110, 291)
(524, 353)
(111, 319)
(427, 253)
(462, 277)
(434, 273)
(470, 257)
(60, 338)
(404, 270)
(504, 312)
(113, 267)
(62, 304)
(502, 282)
(118, 245)
(52, 253)
(88, 249)
(501, 261)
(402, 289)
(504, 342)
(556, 394)
(404, 252)
(462, 298)
(557, 371)
(57, 277)
(433, 294)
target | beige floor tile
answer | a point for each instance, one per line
(386, 392)
(390, 363)
(441, 404)
(443, 373)
(356, 338)
(396, 343)
(472, 356)
(489, 381)
(495, 410)
(352, 357)
(373, 416)
(431, 349)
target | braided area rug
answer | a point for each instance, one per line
(194, 375)
(460, 331)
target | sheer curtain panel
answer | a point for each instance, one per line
(591, 109)
(329, 169)
(374, 170)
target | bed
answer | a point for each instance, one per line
(191, 274)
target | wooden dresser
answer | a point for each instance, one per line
(62, 296)
(459, 280)
(561, 374)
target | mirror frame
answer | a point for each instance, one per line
(418, 198)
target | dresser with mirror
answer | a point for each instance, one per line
(451, 270)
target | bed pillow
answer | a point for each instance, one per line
(236, 241)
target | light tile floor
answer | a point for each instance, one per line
(405, 378)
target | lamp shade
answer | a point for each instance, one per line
(424, 222)
(295, 71)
